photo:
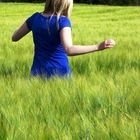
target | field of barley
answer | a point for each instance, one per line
(100, 102)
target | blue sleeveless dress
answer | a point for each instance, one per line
(50, 58)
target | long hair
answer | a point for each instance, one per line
(59, 8)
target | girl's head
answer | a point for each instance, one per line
(59, 7)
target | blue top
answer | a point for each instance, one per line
(50, 58)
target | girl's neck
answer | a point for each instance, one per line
(47, 13)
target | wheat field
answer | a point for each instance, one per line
(102, 99)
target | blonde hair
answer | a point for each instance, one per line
(59, 8)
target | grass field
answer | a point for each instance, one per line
(100, 102)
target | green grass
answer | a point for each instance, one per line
(100, 102)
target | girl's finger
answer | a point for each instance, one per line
(110, 42)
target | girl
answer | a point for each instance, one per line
(53, 40)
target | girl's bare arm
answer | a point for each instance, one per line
(72, 50)
(21, 32)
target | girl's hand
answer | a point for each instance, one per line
(110, 43)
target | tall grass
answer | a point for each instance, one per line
(100, 102)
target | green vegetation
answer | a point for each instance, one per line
(107, 2)
(100, 102)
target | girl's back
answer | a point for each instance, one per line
(49, 52)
